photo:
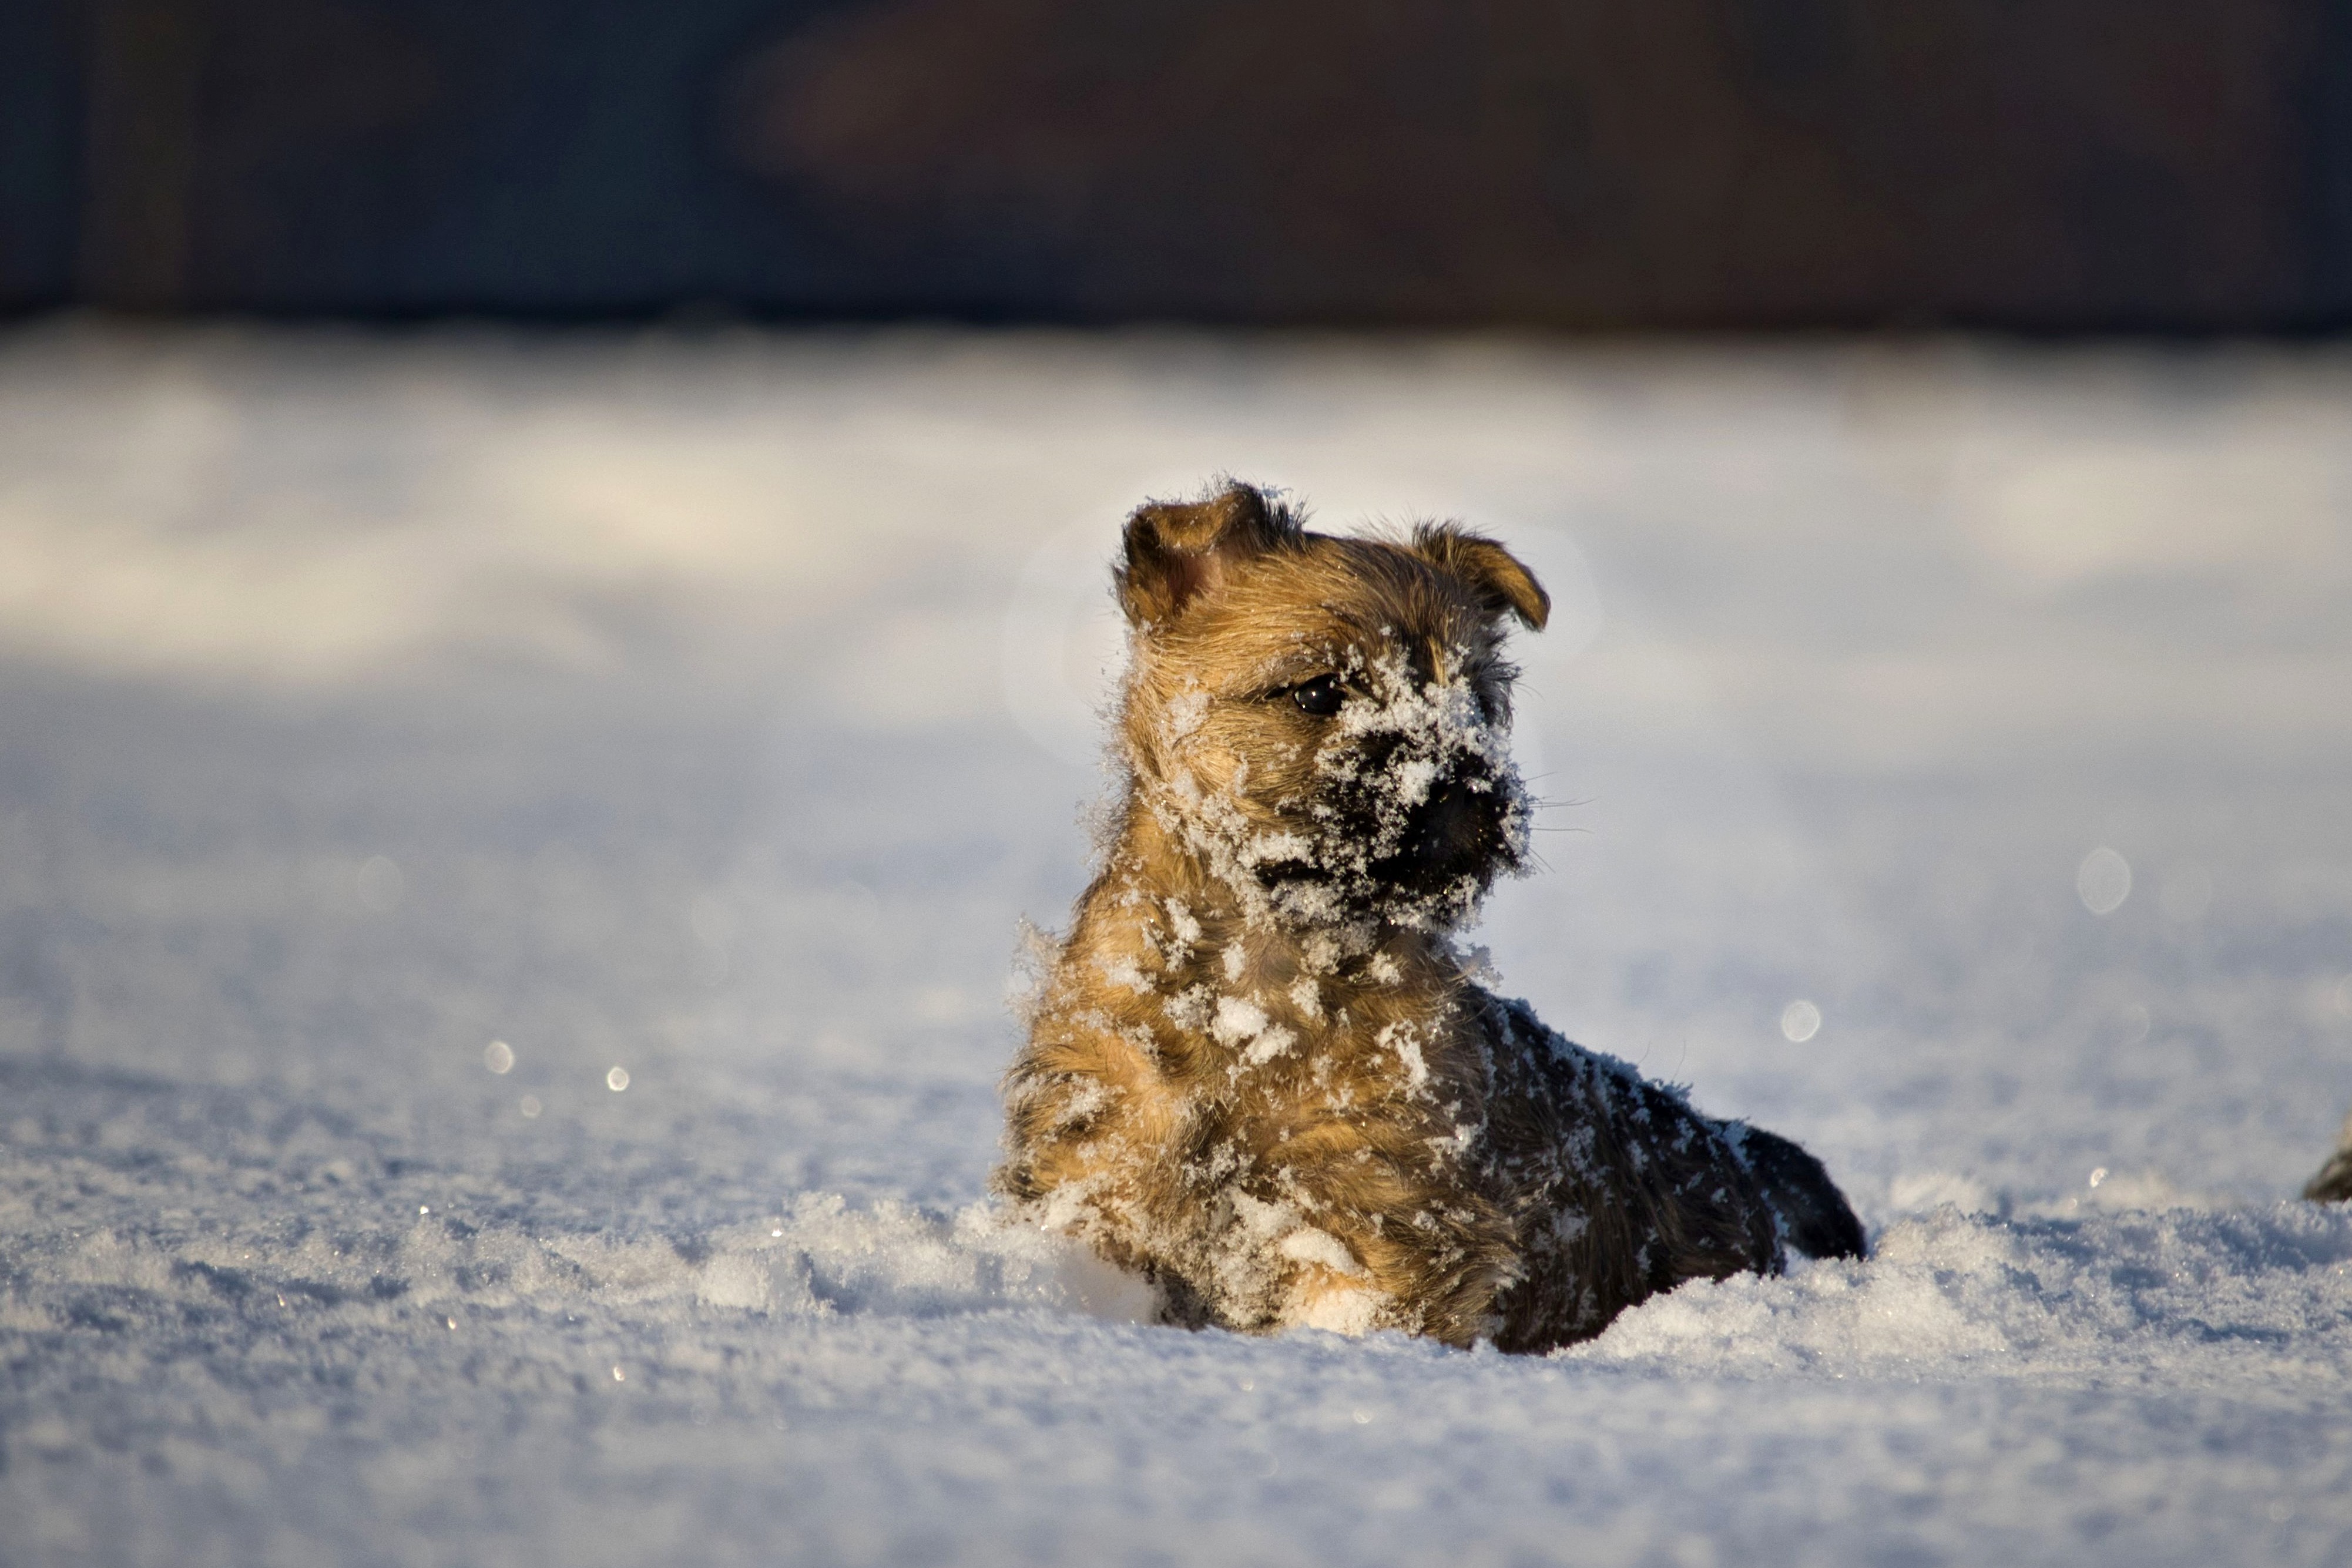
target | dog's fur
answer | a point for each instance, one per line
(1258, 1071)
(2333, 1182)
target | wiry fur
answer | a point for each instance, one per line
(1258, 1071)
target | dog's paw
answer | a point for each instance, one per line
(1338, 1306)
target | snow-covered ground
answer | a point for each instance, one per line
(696, 716)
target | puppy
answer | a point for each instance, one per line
(1258, 1072)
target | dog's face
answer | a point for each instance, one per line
(1327, 719)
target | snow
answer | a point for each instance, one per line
(698, 715)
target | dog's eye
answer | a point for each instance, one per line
(1320, 697)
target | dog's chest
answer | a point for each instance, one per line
(1270, 1054)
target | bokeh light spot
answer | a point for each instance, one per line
(381, 883)
(2103, 880)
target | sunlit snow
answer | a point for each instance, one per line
(512, 851)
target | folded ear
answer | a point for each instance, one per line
(1178, 551)
(1487, 567)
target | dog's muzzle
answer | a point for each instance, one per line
(1460, 830)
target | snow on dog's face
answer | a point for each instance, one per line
(1326, 720)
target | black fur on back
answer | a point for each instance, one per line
(1815, 1218)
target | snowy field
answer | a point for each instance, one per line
(695, 716)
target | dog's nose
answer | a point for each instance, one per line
(1461, 823)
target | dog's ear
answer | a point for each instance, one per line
(1501, 580)
(1178, 551)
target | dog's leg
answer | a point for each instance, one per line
(1389, 1242)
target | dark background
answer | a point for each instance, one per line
(2063, 165)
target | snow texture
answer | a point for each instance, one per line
(510, 850)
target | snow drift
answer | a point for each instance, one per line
(1943, 754)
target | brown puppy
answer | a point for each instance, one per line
(1258, 1072)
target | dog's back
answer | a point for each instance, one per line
(1621, 1190)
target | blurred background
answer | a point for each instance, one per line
(2167, 165)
